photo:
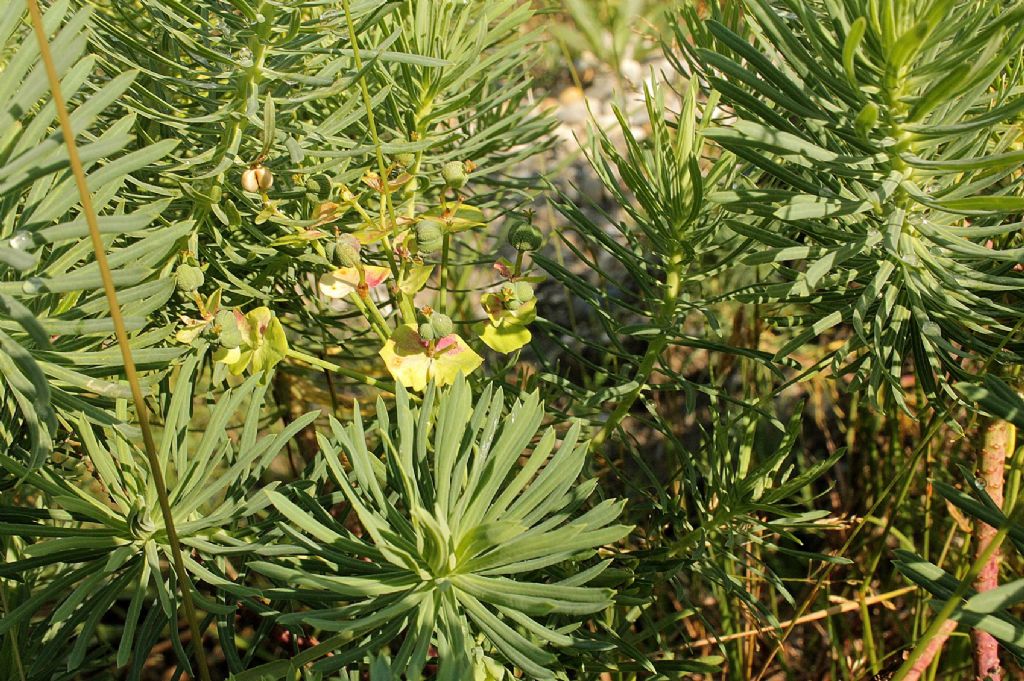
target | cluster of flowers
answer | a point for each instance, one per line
(424, 346)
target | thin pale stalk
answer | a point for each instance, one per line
(328, 366)
(997, 440)
(122, 336)
(940, 624)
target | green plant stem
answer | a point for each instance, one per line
(372, 315)
(405, 307)
(258, 46)
(16, 652)
(667, 312)
(328, 366)
(122, 336)
(443, 274)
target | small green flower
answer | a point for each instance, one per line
(229, 334)
(508, 316)
(264, 344)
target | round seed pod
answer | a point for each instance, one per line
(426, 332)
(442, 324)
(265, 178)
(255, 180)
(429, 236)
(524, 237)
(189, 278)
(32, 286)
(21, 241)
(319, 186)
(454, 174)
(405, 160)
(249, 181)
(230, 335)
(346, 250)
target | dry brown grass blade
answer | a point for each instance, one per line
(120, 331)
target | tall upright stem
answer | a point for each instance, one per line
(405, 306)
(122, 335)
(997, 441)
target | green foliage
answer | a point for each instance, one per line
(300, 198)
(883, 190)
(53, 316)
(643, 274)
(270, 83)
(467, 538)
(107, 550)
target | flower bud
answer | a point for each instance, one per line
(427, 332)
(866, 119)
(429, 236)
(524, 237)
(454, 174)
(230, 335)
(346, 250)
(189, 278)
(442, 324)
(524, 291)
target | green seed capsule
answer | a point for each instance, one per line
(454, 174)
(524, 291)
(524, 237)
(319, 185)
(442, 324)
(429, 236)
(427, 332)
(346, 250)
(405, 160)
(189, 278)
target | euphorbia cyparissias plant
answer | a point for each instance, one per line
(471, 544)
